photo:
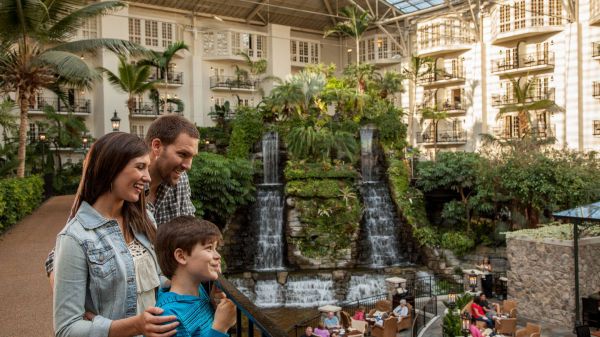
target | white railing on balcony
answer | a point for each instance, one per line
(516, 16)
(444, 32)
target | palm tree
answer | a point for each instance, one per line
(162, 61)
(389, 83)
(436, 117)
(37, 51)
(354, 27)
(524, 102)
(419, 68)
(132, 79)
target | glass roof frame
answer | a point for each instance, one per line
(412, 6)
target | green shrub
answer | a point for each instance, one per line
(458, 242)
(18, 198)
(454, 214)
(316, 188)
(296, 170)
(426, 236)
(220, 185)
(214, 135)
(67, 181)
(247, 129)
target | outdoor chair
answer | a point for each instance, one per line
(467, 309)
(583, 331)
(345, 319)
(406, 322)
(509, 307)
(383, 306)
(506, 326)
(390, 326)
(530, 330)
(358, 325)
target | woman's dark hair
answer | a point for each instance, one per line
(107, 157)
(477, 300)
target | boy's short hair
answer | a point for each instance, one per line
(183, 232)
(168, 127)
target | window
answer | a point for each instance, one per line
(541, 88)
(436, 37)
(314, 53)
(382, 48)
(151, 33)
(167, 34)
(510, 128)
(370, 49)
(457, 68)
(395, 46)
(294, 51)
(363, 51)
(135, 34)
(33, 132)
(303, 52)
(519, 14)
(252, 44)
(541, 51)
(504, 18)
(555, 12)
(537, 13)
(597, 128)
(89, 30)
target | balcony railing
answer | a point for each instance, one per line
(443, 106)
(540, 131)
(596, 92)
(443, 137)
(81, 106)
(595, 49)
(442, 76)
(150, 109)
(500, 100)
(233, 83)
(524, 61)
(173, 78)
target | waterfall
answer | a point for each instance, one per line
(299, 291)
(380, 221)
(365, 286)
(268, 213)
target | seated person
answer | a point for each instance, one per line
(491, 309)
(401, 311)
(332, 321)
(478, 314)
(186, 249)
(308, 332)
(359, 314)
(379, 319)
(321, 331)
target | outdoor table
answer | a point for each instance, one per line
(327, 308)
(596, 333)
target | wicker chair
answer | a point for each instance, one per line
(359, 325)
(345, 319)
(467, 309)
(383, 306)
(406, 322)
(509, 307)
(530, 330)
(507, 326)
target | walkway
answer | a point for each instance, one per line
(26, 308)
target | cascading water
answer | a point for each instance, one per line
(365, 286)
(298, 292)
(380, 221)
(268, 214)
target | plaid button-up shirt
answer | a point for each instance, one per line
(171, 202)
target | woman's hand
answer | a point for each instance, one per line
(151, 324)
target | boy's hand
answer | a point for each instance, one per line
(216, 295)
(225, 316)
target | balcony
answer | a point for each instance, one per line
(523, 63)
(441, 77)
(447, 107)
(174, 79)
(502, 100)
(596, 50)
(594, 12)
(227, 45)
(444, 137)
(596, 92)
(540, 131)
(443, 36)
(380, 50)
(526, 25)
(78, 106)
(233, 83)
(150, 110)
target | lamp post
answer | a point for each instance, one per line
(465, 322)
(115, 121)
(473, 282)
(451, 300)
(48, 176)
(84, 142)
(42, 138)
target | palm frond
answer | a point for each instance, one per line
(68, 66)
(117, 46)
(68, 25)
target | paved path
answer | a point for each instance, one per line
(25, 294)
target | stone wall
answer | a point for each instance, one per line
(541, 277)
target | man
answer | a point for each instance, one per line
(308, 332)
(491, 309)
(331, 322)
(173, 142)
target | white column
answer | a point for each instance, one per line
(279, 56)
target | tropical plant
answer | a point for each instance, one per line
(418, 68)
(320, 143)
(354, 27)
(247, 129)
(37, 51)
(436, 117)
(132, 79)
(389, 83)
(8, 121)
(162, 63)
(221, 114)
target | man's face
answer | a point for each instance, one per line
(482, 297)
(174, 159)
(308, 331)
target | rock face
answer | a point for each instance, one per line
(541, 276)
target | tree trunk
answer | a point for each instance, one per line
(523, 123)
(23, 127)
(166, 86)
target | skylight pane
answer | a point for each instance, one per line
(410, 6)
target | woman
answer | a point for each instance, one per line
(321, 331)
(359, 314)
(478, 314)
(106, 270)
(487, 278)
(401, 311)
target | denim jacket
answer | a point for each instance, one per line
(94, 272)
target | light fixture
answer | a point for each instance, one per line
(82, 57)
(349, 50)
(465, 323)
(451, 299)
(42, 136)
(115, 121)
(217, 18)
(473, 282)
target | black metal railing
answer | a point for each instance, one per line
(499, 100)
(443, 136)
(233, 82)
(250, 319)
(367, 303)
(595, 49)
(596, 92)
(522, 61)
(442, 106)
(539, 132)
(425, 310)
(434, 285)
(442, 75)
(172, 77)
(79, 105)
(150, 109)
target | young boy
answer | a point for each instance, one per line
(186, 249)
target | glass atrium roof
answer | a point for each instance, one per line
(411, 6)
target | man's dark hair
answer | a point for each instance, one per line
(183, 232)
(167, 128)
